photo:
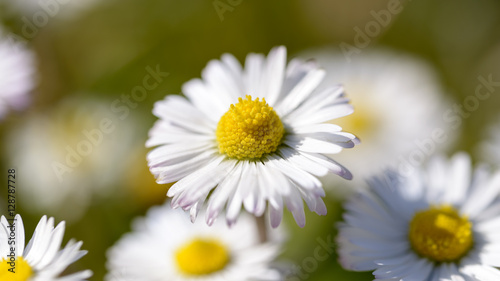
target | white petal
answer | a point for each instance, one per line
(312, 145)
(174, 153)
(296, 206)
(303, 162)
(4, 234)
(324, 98)
(330, 164)
(54, 245)
(179, 111)
(20, 238)
(298, 176)
(325, 114)
(185, 182)
(253, 74)
(172, 173)
(220, 80)
(222, 193)
(460, 179)
(275, 213)
(201, 183)
(300, 92)
(482, 197)
(274, 74)
(203, 98)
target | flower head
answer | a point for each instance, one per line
(166, 246)
(66, 151)
(254, 137)
(42, 259)
(438, 224)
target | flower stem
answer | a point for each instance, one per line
(261, 228)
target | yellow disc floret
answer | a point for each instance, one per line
(201, 257)
(17, 270)
(249, 130)
(441, 234)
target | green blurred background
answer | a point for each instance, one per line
(102, 50)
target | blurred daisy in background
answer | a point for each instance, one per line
(17, 73)
(257, 134)
(440, 223)
(489, 149)
(167, 246)
(42, 259)
(66, 156)
(393, 95)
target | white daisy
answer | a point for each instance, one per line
(75, 153)
(167, 246)
(394, 95)
(42, 259)
(256, 134)
(441, 223)
(17, 79)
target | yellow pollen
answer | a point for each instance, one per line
(19, 270)
(441, 234)
(249, 130)
(201, 257)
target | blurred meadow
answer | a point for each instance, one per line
(92, 55)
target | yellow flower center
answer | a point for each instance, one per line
(19, 270)
(249, 130)
(441, 234)
(201, 257)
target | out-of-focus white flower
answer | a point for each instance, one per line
(42, 259)
(65, 156)
(250, 136)
(441, 223)
(17, 73)
(167, 246)
(398, 102)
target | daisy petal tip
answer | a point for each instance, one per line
(231, 222)
(321, 211)
(346, 174)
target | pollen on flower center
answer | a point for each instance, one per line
(441, 234)
(249, 130)
(19, 270)
(202, 256)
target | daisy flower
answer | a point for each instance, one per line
(440, 223)
(393, 94)
(167, 246)
(250, 136)
(75, 153)
(42, 259)
(17, 78)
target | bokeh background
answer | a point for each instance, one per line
(90, 53)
